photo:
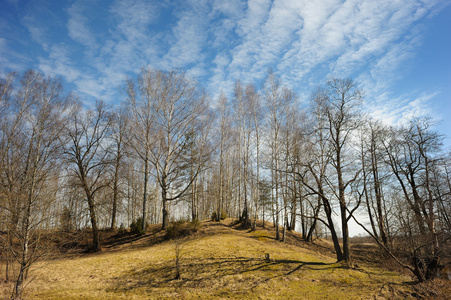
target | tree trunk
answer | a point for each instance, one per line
(294, 208)
(95, 231)
(331, 226)
(194, 199)
(165, 212)
(92, 212)
(115, 194)
(146, 175)
(345, 232)
(277, 205)
(18, 288)
(309, 236)
(164, 194)
(343, 210)
(378, 193)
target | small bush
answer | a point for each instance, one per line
(182, 228)
(137, 226)
(66, 220)
(122, 229)
(222, 216)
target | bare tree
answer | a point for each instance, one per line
(141, 98)
(179, 107)
(245, 98)
(197, 153)
(343, 100)
(30, 165)
(287, 131)
(411, 154)
(256, 115)
(372, 158)
(224, 136)
(314, 171)
(442, 177)
(87, 156)
(412, 231)
(119, 128)
(273, 99)
(6, 130)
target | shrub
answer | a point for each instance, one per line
(195, 224)
(66, 219)
(122, 229)
(182, 228)
(222, 216)
(137, 226)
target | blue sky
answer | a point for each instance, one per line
(398, 51)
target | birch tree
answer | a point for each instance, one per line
(273, 101)
(141, 98)
(119, 127)
(256, 115)
(30, 139)
(224, 136)
(179, 108)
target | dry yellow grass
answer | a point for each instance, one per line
(220, 263)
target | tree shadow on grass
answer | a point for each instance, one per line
(241, 273)
(125, 238)
(154, 236)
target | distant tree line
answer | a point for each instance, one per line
(167, 153)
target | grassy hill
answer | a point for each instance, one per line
(220, 261)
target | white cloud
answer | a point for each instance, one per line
(4, 61)
(308, 41)
(89, 86)
(3, 45)
(224, 40)
(11, 60)
(256, 14)
(189, 37)
(134, 17)
(59, 63)
(37, 29)
(78, 26)
(348, 35)
(244, 56)
(419, 107)
(121, 48)
(229, 8)
(225, 16)
(396, 111)
(218, 80)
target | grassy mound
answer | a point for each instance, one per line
(217, 262)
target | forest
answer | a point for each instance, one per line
(169, 151)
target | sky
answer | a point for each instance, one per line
(398, 51)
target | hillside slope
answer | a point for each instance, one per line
(218, 262)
